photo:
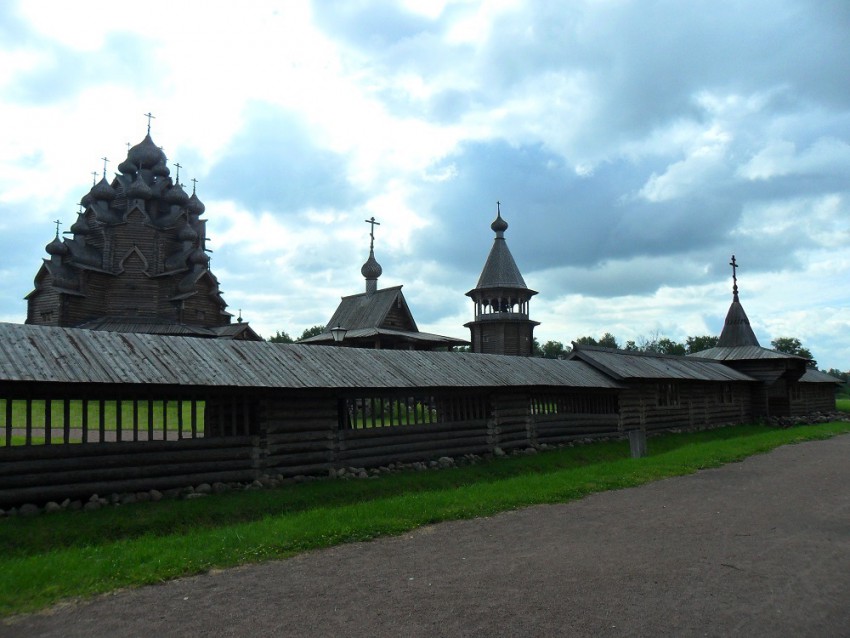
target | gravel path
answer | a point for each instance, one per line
(759, 548)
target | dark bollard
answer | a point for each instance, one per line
(637, 443)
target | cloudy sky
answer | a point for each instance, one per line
(635, 146)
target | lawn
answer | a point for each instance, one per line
(843, 404)
(74, 554)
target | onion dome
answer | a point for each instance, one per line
(103, 190)
(146, 154)
(139, 189)
(499, 225)
(87, 199)
(175, 195)
(371, 269)
(57, 247)
(199, 257)
(127, 167)
(161, 170)
(195, 205)
(80, 227)
(187, 233)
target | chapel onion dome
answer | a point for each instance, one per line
(199, 257)
(146, 154)
(187, 233)
(103, 191)
(139, 189)
(195, 206)
(371, 269)
(80, 227)
(499, 225)
(87, 199)
(161, 170)
(175, 195)
(57, 247)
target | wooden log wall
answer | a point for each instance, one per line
(298, 434)
(40, 473)
(651, 406)
(511, 424)
(807, 398)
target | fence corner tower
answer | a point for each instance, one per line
(501, 299)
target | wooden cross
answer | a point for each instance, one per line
(194, 185)
(177, 164)
(498, 209)
(128, 147)
(373, 223)
(58, 223)
(734, 265)
(150, 117)
(93, 178)
(104, 166)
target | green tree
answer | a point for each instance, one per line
(281, 337)
(311, 332)
(700, 343)
(587, 341)
(609, 341)
(630, 346)
(553, 349)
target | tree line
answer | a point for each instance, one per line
(654, 343)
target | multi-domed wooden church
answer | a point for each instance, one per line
(135, 259)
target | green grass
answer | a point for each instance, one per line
(843, 404)
(75, 554)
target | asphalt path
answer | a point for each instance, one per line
(758, 548)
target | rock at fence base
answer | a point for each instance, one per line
(12, 512)
(497, 451)
(332, 473)
(194, 495)
(218, 488)
(143, 497)
(28, 509)
(155, 495)
(255, 484)
(362, 474)
(52, 507)
(75, 505)
(530, 451)
(203, 488)
(127, 499)
(445, 461)
(65, 504)
(172, 493)
(92, 506)
(114, 498)
(94, 498)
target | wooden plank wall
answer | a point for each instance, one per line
(40, 473)
(298, 434)
(698, 405)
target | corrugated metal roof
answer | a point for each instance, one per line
(367, 310)
(69, 355)
(623, 365)
(741, 353)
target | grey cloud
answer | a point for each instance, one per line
(273, 164)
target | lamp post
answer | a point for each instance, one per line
(338, 333)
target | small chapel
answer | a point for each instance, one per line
(135, 260)
(378, 318)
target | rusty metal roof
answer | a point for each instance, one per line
(70, 355)
(627, 365)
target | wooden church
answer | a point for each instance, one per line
(135, 259)
(378, 318)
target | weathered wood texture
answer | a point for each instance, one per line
(807, 398)
(39, 473)
(652, 406)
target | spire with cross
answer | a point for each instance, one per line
(105, 162)
(734, 265)
(150, 117)
(194, 185)
(373, 223)
(177, 179)
(58, 223)
(93, 178)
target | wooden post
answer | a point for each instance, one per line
(9, 404)
(637, 443)
(85, 415)
(48, 422)
(66, 421)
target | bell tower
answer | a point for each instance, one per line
(501, 299)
